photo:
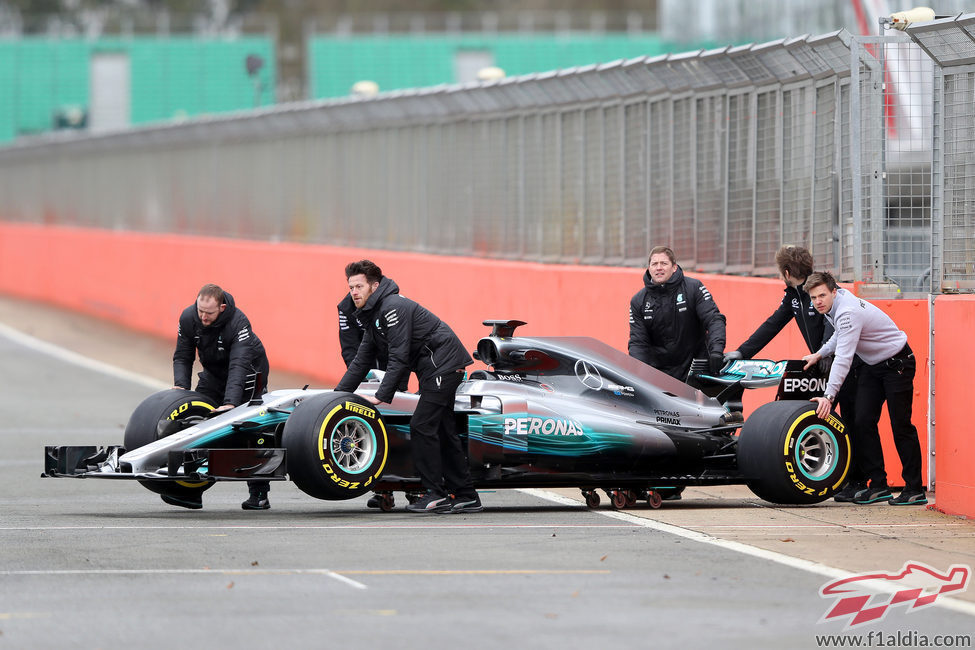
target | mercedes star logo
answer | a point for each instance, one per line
(588, 375)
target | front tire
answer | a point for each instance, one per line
(789, 455)
(337, 446)
(162, 414)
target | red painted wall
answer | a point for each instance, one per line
(289, 291)
(955, 447)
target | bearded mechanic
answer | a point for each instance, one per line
(417, 341)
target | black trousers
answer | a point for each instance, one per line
(846, 398)
(438, 453)
(214, 389)
(890, 381)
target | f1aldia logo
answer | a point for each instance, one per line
(915, 586)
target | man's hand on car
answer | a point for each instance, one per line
(811, 360)
(716, 362)
(734, 355)
(823, 407)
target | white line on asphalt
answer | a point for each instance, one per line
(313, 527)
(227, 572)
(67, 355)
(852, 526)
(946, 602)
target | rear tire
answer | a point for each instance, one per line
(168, 407)
(337, 446)
(789, 455)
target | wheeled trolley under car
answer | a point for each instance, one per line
(549, 412)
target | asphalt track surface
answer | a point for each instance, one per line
(105, 564)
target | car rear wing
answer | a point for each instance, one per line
(728, 386)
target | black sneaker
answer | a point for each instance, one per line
(375, 501)
(193, 503)
(430, 502)
(256, 501)
(872, 495)
(910, 498)
(849, 492)
(466, 504)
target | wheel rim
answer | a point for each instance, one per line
(353, 445)
(816, 452)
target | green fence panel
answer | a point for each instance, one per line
(170, 77)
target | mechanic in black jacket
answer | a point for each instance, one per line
(351, 333)
(419, 341)
(795, 265)
(350, 337)
(230, 354)
(674, 320)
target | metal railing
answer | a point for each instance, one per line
(722, 154)
(950, 42)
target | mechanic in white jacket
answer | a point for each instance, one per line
(887, 375)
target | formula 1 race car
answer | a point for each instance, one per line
(549, 412)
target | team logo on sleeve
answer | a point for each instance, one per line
(243, 334)
(392, 318)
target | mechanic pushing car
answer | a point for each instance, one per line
(230, 353)
(419, 341)
(674, 320)
(350, 337)
(795, 265)
(886, 375)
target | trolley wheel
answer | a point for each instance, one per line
(631, 498)
(618, 499)
(654, 500)
(592, 498)
(387, 502)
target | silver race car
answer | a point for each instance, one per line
(548, 412)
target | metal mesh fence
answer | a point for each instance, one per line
(573, 185)
(959, 181)
(950, 44)
(683, 197)
(661, 174)
(635, 238)
(614, 174)
(764, 232)
(723, 155)
(593, 243)
(798, 155)
(710, 181)
(741, 176)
